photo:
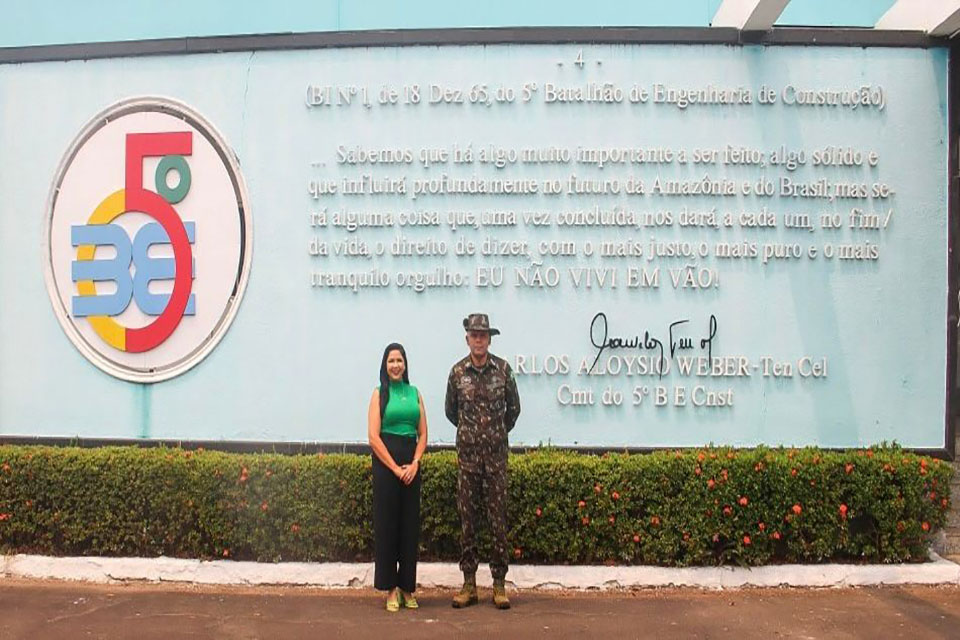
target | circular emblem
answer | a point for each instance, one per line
(147, 239)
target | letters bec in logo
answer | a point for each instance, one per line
(148, 239)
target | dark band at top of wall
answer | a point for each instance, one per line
(459, 36)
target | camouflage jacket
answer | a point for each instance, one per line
(482, 403)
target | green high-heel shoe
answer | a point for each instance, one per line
(393, 601)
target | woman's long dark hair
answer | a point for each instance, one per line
(385, 379)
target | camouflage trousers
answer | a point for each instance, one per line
(482, 483)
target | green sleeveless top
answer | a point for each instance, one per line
(402, 413)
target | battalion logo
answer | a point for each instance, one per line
(148, 239)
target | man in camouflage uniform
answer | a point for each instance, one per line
(483, 403)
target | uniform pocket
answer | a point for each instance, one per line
(498, 394)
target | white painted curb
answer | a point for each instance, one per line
(447, 575)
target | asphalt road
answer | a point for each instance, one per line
(61, 610)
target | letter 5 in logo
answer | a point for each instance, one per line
(148, 239)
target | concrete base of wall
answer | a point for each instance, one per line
(447, 575)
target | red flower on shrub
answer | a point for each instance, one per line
(943, 503)
(264, 506)
(581, 504)
(597, 488)
(4, 516)
(655, 521)
(711, 484)
(686, 536)
(933, 495)
(539, 512)
(226, 553)
(869, 453)
(585, 520)
(761, 526)
(775, 535)
(295, 527)
(723, 473)
(727, 511)
(923, 471)
(731, 455)
(697, 470)
(700, 457)
(746, 540)
(6, 467)
(758, 467)
(612, 519)
(29, 503)
(615, 495)
(925, 526)
(743, 501)
(797, 509)
(517, 552)
(793, 472)
(843, 511)
(901, 526)
(848, 468)
(636, 538)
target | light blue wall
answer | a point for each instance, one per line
(67, 21)
(60, 21)
(298, 364)
(834, 13)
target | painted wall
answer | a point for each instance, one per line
(299, 362)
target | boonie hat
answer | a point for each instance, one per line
(479, 322)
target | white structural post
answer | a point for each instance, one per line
(935, 17)
(748, 15)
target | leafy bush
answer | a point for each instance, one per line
(690, 507)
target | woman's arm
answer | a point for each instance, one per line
(373, 435)
(410, 471)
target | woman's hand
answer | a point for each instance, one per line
(409, 472)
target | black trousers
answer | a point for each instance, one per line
(396, 519)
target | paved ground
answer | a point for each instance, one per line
(37, 610)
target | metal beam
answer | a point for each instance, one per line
(748, 15)
(934, 17)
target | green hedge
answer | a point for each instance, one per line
(691, 507)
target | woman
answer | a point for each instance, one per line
(397, 429)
